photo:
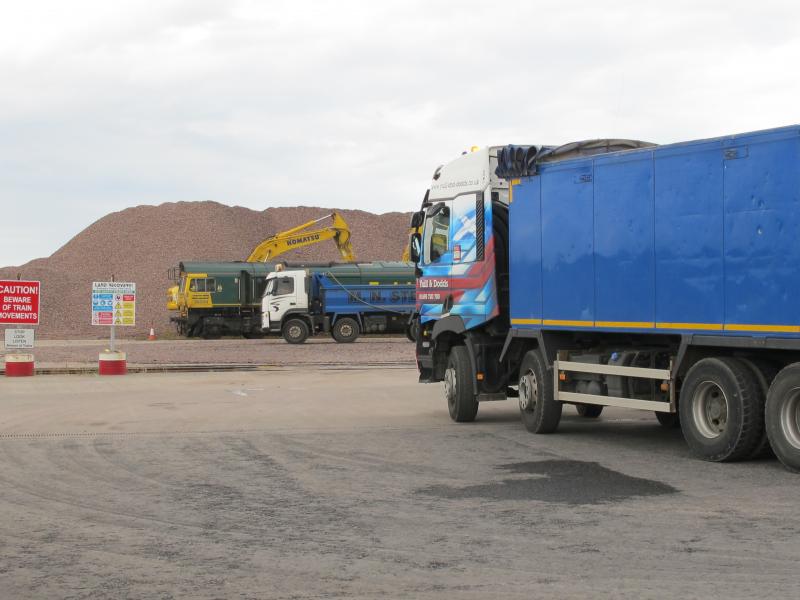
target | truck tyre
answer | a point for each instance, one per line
(412, 331)
(668, 420)
(720, 413)
(458, 377)
(764, 373)
(539, 412)
(345, 330)
(295, 331)
(783, 417)
(589, 411)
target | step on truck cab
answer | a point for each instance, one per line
(345, 300)
(620, 273)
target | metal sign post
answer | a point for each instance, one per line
(113, 303)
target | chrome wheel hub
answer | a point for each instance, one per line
(790, 418)
(528, 391)
(710, 410)
(450, 384)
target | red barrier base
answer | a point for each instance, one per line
(19, 365)
(112, 363)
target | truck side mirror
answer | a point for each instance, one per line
(416, 219)
(415, 247)
(434, 210)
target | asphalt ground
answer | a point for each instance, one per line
(355, 484)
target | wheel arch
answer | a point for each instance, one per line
(448, 332)
(297, 314)
(356, 316)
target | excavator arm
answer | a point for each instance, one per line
(306, 235)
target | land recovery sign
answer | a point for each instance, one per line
(19, 302)
(113, 303)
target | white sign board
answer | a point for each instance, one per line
(17, 339)
(113, 303)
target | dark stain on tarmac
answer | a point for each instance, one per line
(558, 481)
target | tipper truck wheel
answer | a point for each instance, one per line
(589, 411)
(345, 330)
(458, 377)
(783, 417)
(720, 411)
(539, 412)
(295, 331)
(412, 331)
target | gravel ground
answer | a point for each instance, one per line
(268, 351)
(333, 484)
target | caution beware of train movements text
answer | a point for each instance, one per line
(19, 302)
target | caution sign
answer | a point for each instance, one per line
(113, 303)
(19, 302)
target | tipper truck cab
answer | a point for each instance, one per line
(619, 273)
(344, 300)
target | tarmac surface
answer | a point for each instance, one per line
(355, 484)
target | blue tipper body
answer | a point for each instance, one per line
(344, 298)
(696, 237)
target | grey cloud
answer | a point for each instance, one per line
(351, 104)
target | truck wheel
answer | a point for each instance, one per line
(345, 330)
(589, 411)
(764, 373)
(412, 331)
(783, 417)
(668, 420)
(461, 401)
(295, 331)
(721, 418)
(539, 412)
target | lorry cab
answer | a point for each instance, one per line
(457, 250)
(284, 294)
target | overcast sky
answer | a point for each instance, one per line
(350, 104)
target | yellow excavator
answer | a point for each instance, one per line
(303, 235)
(193, 303)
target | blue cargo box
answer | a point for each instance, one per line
(696, 237)
(342, 299)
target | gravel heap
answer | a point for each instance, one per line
(140, 244)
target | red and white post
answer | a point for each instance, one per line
(19, 365)
(112, 363)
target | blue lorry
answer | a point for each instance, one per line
(620, 273)
(344, 300)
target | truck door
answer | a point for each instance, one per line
(435, 261)
(457, 261)
(286, 294)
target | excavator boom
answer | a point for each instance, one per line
(306, 235)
